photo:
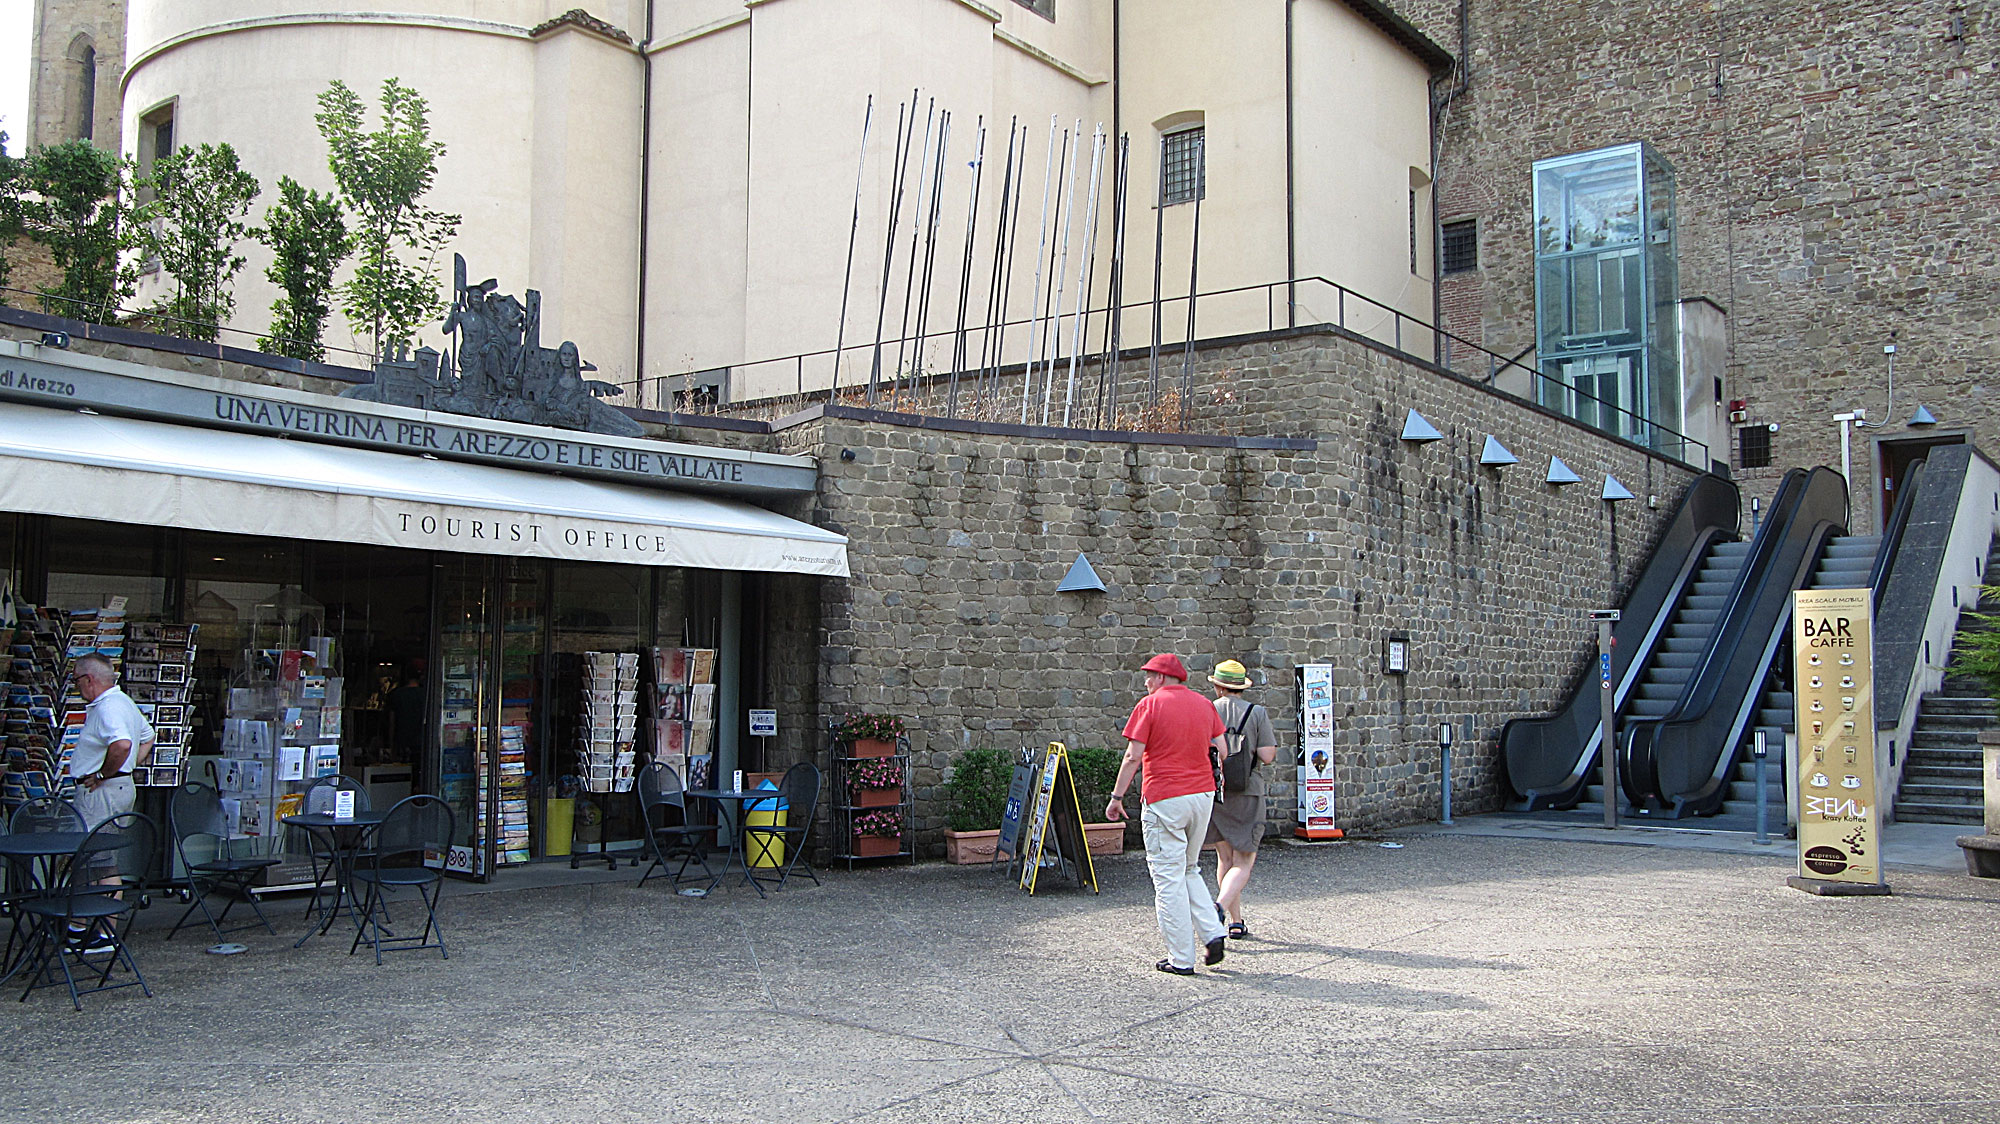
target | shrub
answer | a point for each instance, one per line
(1096, 770)
(976, 794)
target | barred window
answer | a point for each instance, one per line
(1461, 246)
(1183, 179)
(1753, 446)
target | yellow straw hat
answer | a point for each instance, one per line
(1230, 674)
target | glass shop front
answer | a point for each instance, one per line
(523, 691)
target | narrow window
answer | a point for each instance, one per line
(86, 113)
(1183, 176)
(1461, 246)
(156, 140)
(1753, 446)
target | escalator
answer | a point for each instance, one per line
(1677, 764)
(1549, 761)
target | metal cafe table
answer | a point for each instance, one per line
(343, 837)
(34, 854)
(733, 818)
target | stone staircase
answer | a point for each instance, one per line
(1941, 777)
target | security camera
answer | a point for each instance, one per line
(1774, 427)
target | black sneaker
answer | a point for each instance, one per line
(1216, 948)
(1168, 967)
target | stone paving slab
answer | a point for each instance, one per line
(1459, 978)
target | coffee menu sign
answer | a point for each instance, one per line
(65, 381)
(1833, 680)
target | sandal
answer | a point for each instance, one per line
(1168, 967)
(1238, 930)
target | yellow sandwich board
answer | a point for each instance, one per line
(1056, 814)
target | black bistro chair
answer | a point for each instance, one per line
(41, 814)
(669, 835)
(406, 851)
(195, 815)
(82, 925)
(321, 846)
(46, 813)
(800, 792)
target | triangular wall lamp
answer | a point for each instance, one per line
(1614, 491)
(1417, 431)
(1495, 454)
(1560, 473)
(1082, 577)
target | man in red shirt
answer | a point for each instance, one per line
(1170, 733)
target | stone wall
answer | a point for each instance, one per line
(1834, 170)
(1276, 552)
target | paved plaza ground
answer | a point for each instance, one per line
(1459, 977)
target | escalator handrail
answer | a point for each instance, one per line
(1804, 501)
(1709, 509)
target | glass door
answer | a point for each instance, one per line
(464, 766)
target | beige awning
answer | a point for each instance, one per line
(88, 466)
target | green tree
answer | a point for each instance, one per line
(191, 225)
(10, 211)
(76, 206)
(308, 241)
(383, 176)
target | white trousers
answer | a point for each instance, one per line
(1174, 829)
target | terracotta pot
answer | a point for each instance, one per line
(876, 846)
(874, 747)
(878, 797)
(1105, 838)
(968, 847)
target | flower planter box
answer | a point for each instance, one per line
(877, 846)
(878, 797)
(874, 747)
(968, 847)
(1105, 838)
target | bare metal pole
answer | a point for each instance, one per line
(902, 159)
(1107, 382)
(1043, 358)
(1159, 250)
(847, 274)
(930, 249)
(1083, 271)
(1070, 146)
(917, 215)
(1194, 264)
(960, 352)
(1003, 264)
(1035, 322)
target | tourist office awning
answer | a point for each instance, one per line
(90, 466)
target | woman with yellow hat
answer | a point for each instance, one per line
(1237, 824)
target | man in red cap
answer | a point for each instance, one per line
(1171, 732)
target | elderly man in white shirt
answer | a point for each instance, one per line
(115, 738)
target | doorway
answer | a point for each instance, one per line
(1896, 458)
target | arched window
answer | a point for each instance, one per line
(82, 99)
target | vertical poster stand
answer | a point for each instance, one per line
(1315, 760)
(1055, 827)
(1019, 790)
(1833, 687)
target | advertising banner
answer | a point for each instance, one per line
(1315, 760)
(1833, 678)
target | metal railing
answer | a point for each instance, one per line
(1131, 371)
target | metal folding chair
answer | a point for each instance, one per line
(195, 813)
(399, 855)
(799, 793)
(90, 915)
(669, 835)
(320, 847)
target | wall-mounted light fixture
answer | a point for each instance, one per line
(1614, 491)
(1494, 455)
(1082, 577)
(1560, 473)
(1417, 431)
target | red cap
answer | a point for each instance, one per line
(1166, 663)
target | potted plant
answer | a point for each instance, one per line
(976, 799)
(1096, 770)
(875, 783)
(872, 735)
(878, 833)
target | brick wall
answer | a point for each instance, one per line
(1834, 177)
(1273, 552)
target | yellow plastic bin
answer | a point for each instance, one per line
(558, 824)
(765, 848)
